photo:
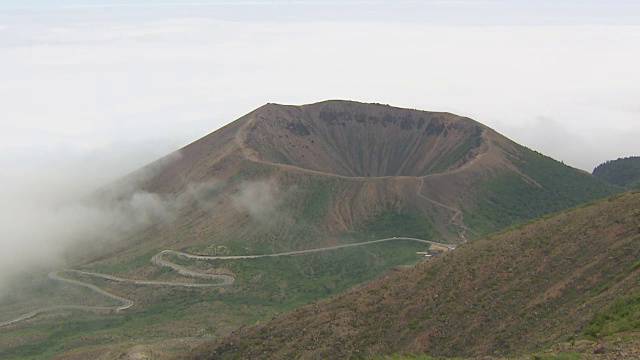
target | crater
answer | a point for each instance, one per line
(362, 140)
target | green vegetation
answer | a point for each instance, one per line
(567, 356)
(544, 186)
(449, 158)
(263, 288)
(287, 282)
(317, 202)
(34, 291)
(150, 321)
(59, 338)
(508, 200)
(623, 172)
(391, 221)
(571, 186)
(127, 265)
(411, 357)
(252, 172)
(624, 315)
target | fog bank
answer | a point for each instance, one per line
(46, 212)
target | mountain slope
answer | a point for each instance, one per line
(510, 293)
(623, 172)
(336, 167)
(278, 180)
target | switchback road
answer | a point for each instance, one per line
(159, 260)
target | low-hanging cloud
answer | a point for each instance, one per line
(38, 231)
(262, 200)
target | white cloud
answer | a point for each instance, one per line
(260, 200)
(37, 228)
(48, 217)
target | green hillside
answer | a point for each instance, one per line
(542, 186)
(623, 172)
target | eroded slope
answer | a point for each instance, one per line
(363, 140)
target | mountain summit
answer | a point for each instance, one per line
(306, 174)
(348, 139)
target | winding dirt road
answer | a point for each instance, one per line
(159, 260)
(457, 214)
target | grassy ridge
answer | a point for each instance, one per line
(623, 172)
(549, 186)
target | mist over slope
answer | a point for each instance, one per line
(510, 293)
(48, 215)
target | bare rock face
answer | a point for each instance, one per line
(363, 140)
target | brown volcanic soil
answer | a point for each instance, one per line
(340, 138)
(512, 293)
(361, 140)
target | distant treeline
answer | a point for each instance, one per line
(623, 172)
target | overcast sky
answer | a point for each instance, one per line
(119, 85)
(91, 91)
